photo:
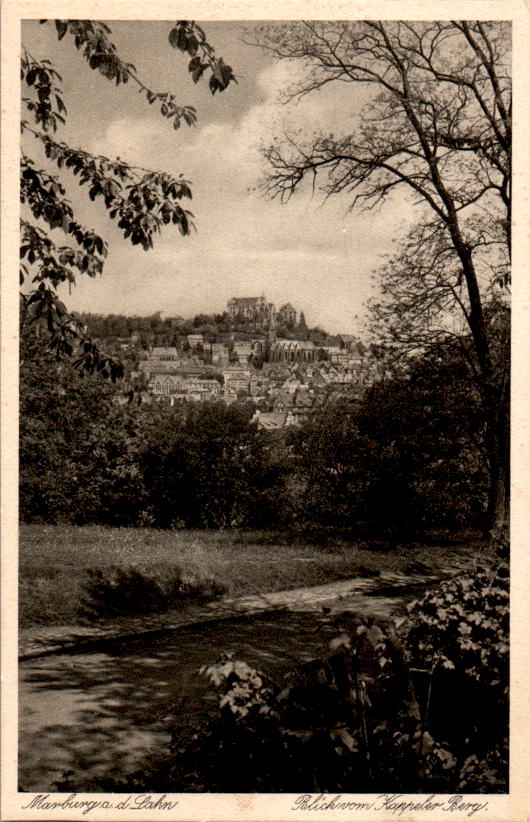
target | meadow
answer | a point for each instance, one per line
(73, 574)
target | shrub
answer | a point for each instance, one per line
(113, 590)
(464, 626)
(459, 634)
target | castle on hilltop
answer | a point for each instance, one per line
(257, 309)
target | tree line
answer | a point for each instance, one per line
(165, 331)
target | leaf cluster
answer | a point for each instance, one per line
(190, 38)
(464, 627)
(141, 201)
(48, 109)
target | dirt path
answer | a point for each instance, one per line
(34, 642)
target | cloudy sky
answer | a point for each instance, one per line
(313, 254)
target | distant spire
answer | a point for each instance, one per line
(301, 328)
(270, 330)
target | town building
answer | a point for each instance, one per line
(184, 386)
(243, 351)
(236, 381)
(348, 342)
(292, 351)
(163, 354)
(166, 359)
(253, 310)
(195, 340)
(219, 353)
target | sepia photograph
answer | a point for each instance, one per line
(264, 355)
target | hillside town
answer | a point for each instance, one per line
(252, 353)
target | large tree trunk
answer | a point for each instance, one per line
(498, 502)
(498, 448)
(496, 398)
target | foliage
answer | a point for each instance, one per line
(114, 590)
(464, 625)
(461, 633)
(364, 719)
(406, 457)
(209, 467)
(142, 201)
(77, 449)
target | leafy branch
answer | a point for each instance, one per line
(93, 38)
(55, 263)
(142, 201)
(67, 337)
(190, 37)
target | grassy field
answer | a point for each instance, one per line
(56, 561)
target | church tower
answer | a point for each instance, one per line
(270, 331)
